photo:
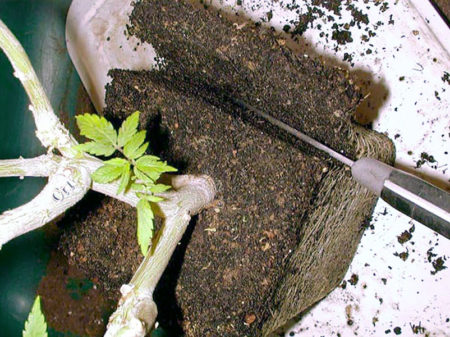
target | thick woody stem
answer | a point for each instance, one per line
(42, 166)
(66, 186)
(136, 313)
(49, 129)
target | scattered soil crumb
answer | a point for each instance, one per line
(353, 279)
(438, 263)
(446, 78)
(348, 314)
(404, 237)
(398, 330)
(425, 158)
(403, 255)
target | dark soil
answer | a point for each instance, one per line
(443, 6)
(206, 57)
(71, 302)
(105, 235)
(221, 280)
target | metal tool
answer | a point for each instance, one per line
(410, 195)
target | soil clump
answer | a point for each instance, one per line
(225, 276)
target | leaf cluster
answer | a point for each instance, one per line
(134, 170)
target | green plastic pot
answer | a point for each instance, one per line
(39, 26)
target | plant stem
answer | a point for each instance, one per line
(66, 186)
(41, 166)
(49, 129)
(137, 311)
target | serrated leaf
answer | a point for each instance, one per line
(153, 163)
(140, 152)
(96, 149)
(142, 176)
(151, 198)
(117, 162)
(137, 187)
(106, 173)
(160, 188)
(112, 170)
(152, 167)
(145, 225)
(152, 174)
(128, 129)
(124, 180)
(97, 129)
(149, 158)
(35, 326)
(134, 146)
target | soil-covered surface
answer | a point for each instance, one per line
(71, 302)
(444, 7)
(103, 235)
(222, 278)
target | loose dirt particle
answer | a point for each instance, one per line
(397, 330)
(353, 279)
(404, 237)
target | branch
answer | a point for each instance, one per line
(42, 166)
(49, 129)
(136, 313)
(64, 189)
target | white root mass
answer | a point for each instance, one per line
(69, 179)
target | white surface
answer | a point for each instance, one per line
(416, 48)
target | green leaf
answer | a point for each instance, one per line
(124, 180)
(35, 325)
(152, 174)
(112, 170)
(96, 149)
(142, 176)
(117, 162)
(128, 129)
(149, 158)
(152, 167)
(97, 129)
(160, 188)
(153, 163)
(151, 198)
(136, 147)
(145, 225)
(137, 187)
(139, 152)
